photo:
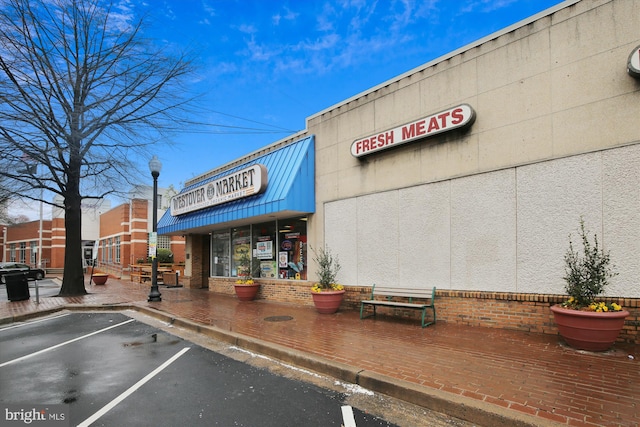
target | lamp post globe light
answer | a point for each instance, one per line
(154, 167)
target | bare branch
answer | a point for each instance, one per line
(80, 97)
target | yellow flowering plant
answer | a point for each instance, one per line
(587, 274)
(333, 287)
(597, 306)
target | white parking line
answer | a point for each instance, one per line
(106, 408)
(348, 419)
(61, 344)
(33, 321)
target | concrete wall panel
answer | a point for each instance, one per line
(341, 222)
(621, 213)
(483, 229)
(377, 239)
(425, 236)
(552, 196)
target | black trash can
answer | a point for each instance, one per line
(17, 286)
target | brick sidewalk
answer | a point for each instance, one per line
(514, 377)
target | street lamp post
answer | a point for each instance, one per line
(154, 167)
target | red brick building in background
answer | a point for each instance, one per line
(122, 234)
(20, 242)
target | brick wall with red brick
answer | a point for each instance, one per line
(27, 233)
(503, 310)
(139, 230)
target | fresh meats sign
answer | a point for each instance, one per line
(242, 183)
(444, 121)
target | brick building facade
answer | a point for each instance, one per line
(21, 243)
(122, 236)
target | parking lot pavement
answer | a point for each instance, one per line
(488, 376)
(111, 369)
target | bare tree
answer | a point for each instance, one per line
(82, 92)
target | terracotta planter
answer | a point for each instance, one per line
(589, 330)
(247, 292)
(327, 302)
(100, 279)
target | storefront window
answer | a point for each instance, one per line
(277, 249)
(220, 253)
(241, 242)
(264, 245)
(292, 254)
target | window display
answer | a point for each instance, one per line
(241, 243)
(292, 255)
(264, 238)
(278, 249)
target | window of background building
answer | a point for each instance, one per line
(12, 252)
(23, 252)
(34, 253)
(110, 249)
(164, 242)
(117, 249)
(104, 251)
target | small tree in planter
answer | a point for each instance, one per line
(584, 322)
(587, 274)
(246, 288)
(327, 293)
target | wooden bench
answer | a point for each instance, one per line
(389, 293)
(139, 274)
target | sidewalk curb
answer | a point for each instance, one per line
(466, 408)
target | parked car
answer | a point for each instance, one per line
(15, 267)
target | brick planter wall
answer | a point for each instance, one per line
(515, 311)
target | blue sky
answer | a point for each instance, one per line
(263, 66)
(266, 65)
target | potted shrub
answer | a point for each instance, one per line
(327, 293)
(99, 278)
(246, 288)
(584, 322)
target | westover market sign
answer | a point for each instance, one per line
(242, 183)
(444, 121)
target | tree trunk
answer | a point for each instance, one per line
(73, 278)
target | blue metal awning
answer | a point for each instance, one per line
(290, 192)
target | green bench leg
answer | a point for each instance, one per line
(424, 312)
(362, 316)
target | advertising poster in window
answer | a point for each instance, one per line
(268, 269)
(264, 249)
(294, 245)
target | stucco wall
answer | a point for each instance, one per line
(502, 231)
(490, 208)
